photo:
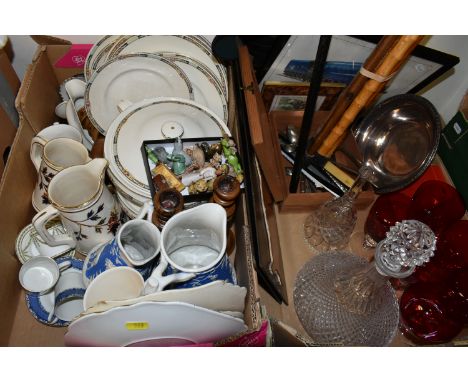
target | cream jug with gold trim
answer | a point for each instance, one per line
(88, 210)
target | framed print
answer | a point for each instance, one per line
(328, 94)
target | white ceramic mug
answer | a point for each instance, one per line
(40, 274)
(57, 154)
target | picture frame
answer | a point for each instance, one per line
(424, 66)
(329, 92)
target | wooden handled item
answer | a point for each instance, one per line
(399, 53)
(372, 62)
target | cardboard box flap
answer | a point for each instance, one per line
(49, 40)
(34, 99)
(264, 139)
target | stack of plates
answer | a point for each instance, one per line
(151, 87)
(132, 68)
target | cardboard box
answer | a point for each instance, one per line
(36, 101)
(453, 149)
(9, 85)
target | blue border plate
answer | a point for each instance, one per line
(36, 303)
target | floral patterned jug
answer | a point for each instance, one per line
(87, 209)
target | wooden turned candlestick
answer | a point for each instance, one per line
(226, 189)
(167, 202)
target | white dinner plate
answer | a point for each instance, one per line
(97, 54)
(206, 89)
(159, 323)
(153, 119)
(132, 78)
(185, 45)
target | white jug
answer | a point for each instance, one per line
(87, 209)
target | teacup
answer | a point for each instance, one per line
(75, 88)
(57, 130)
(194, 241)
(57, 154)
(40, 274)
(69, 292)
(120, 283)
(136, 244)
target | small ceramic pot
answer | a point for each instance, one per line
(40, 274)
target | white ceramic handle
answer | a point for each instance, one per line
(157, 282)
(39, 223)
(37, 148)
(146, 211)
(51, 313)
(64, 265)
(61, 110)
(124, 104)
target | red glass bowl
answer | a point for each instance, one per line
(452, 246)
(436, 204)
(387, 210)
(429, 314)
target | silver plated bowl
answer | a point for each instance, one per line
(398, 140)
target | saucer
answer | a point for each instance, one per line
(29, 244)
(41, 305)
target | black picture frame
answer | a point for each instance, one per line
(445, 60)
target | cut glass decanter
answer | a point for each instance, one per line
(341, 299)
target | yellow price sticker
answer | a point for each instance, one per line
(136, 325)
